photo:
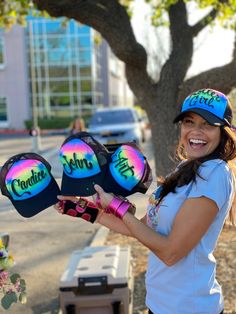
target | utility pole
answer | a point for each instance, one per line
(35, 133)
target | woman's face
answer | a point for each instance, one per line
(198, 137)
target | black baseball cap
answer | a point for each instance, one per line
(27, 181)
(128, 171)
(84, 162)
(210, 104)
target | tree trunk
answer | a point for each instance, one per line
(164, 132)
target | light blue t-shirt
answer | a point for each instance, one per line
(190, 286)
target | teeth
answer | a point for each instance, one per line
(197, 141)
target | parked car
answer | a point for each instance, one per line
(116, 125)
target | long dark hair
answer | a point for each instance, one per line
(188, 169)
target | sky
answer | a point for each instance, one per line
(212, 48)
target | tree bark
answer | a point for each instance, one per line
(161, 99)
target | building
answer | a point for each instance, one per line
(54, 69)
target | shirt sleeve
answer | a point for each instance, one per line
(215, 182)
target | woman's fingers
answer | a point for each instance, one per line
(99, 197)
(62, 199)
(94, 197)
(68, 198)
(59, 207)
(98, 189)
(105, 198)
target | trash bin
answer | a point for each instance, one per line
(98, 280)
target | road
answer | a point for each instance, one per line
(42, 244)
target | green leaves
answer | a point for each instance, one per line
(8, 299)
(13, 12)
(226, 10)
(14, 278)
(11, 297)
(22, 285)
(12, 286)
(14, 292)
(23, 298)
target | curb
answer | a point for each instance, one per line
(100, 236)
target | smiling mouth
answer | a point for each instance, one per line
(197, 142)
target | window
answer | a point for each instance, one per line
(85, 56)
(53, 42)
(83, 29)
(3, 109)
(85, 71)
(60, 101)
(56, 27)
(58, 71)
(1, 51)
(116, 116)
(63, 66)
(59, 86)
(58, 56)
(86, 99)
(84, 42)
(85, 86)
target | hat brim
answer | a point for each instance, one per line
(80, 187)
(206, 115)
(34, 205)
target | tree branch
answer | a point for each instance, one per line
(109, 18)
(180, 58)
(220, 78)
(201, 24)
(206, 20)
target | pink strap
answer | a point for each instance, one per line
(122, 209)
(113, 206)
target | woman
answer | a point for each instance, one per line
(76, 126)
(186, 213)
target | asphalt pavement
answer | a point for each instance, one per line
(42, 245)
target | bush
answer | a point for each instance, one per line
(50, 124)
(56, 123)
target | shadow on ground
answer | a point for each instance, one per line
(50, 308)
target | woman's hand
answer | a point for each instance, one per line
(60, 205)
(77, 207)
(110, 203)
(104, 198)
